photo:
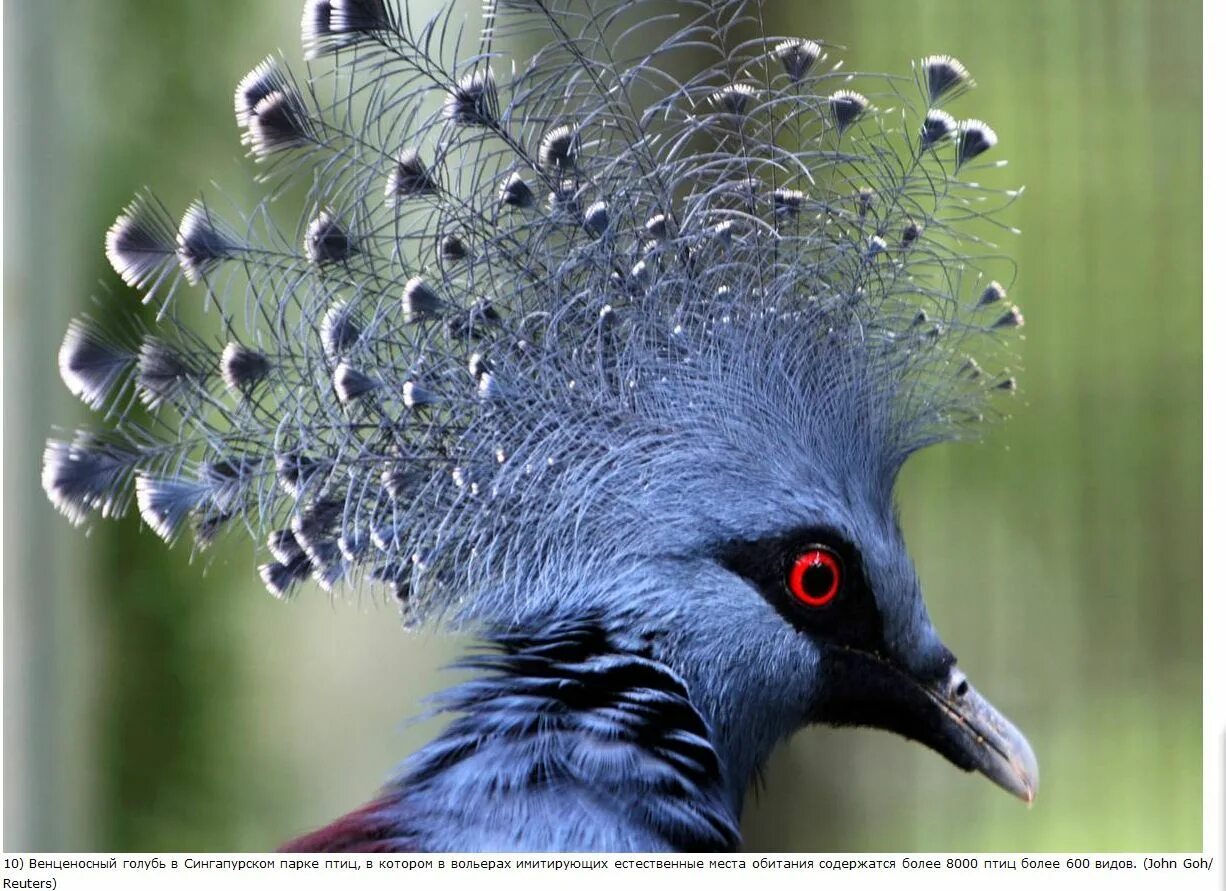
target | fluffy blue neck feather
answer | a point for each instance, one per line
(569, 743)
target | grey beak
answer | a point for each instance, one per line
(990, 742)
(946, 714)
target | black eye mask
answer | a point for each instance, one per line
(850, 618)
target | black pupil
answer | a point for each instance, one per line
(818, 579)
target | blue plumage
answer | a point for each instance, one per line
(615, 365)
(569, 741)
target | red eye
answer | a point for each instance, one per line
(816, 577)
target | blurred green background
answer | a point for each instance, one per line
(150, 706)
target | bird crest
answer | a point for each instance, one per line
(535, 317)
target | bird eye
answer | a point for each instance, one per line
(816, 576)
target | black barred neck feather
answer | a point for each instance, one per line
(573, 740)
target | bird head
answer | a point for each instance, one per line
(742, 519)
(607, 344)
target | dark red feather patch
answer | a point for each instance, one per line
(370, 829)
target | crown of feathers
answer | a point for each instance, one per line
(523, 291)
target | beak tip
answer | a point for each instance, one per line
(1002, 752)
(1028, 795)
(1024, 767)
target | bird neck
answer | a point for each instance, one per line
(741, 733)
(562, 742)
(749, 708)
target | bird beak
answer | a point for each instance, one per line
(985, 737)
(947, 715)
